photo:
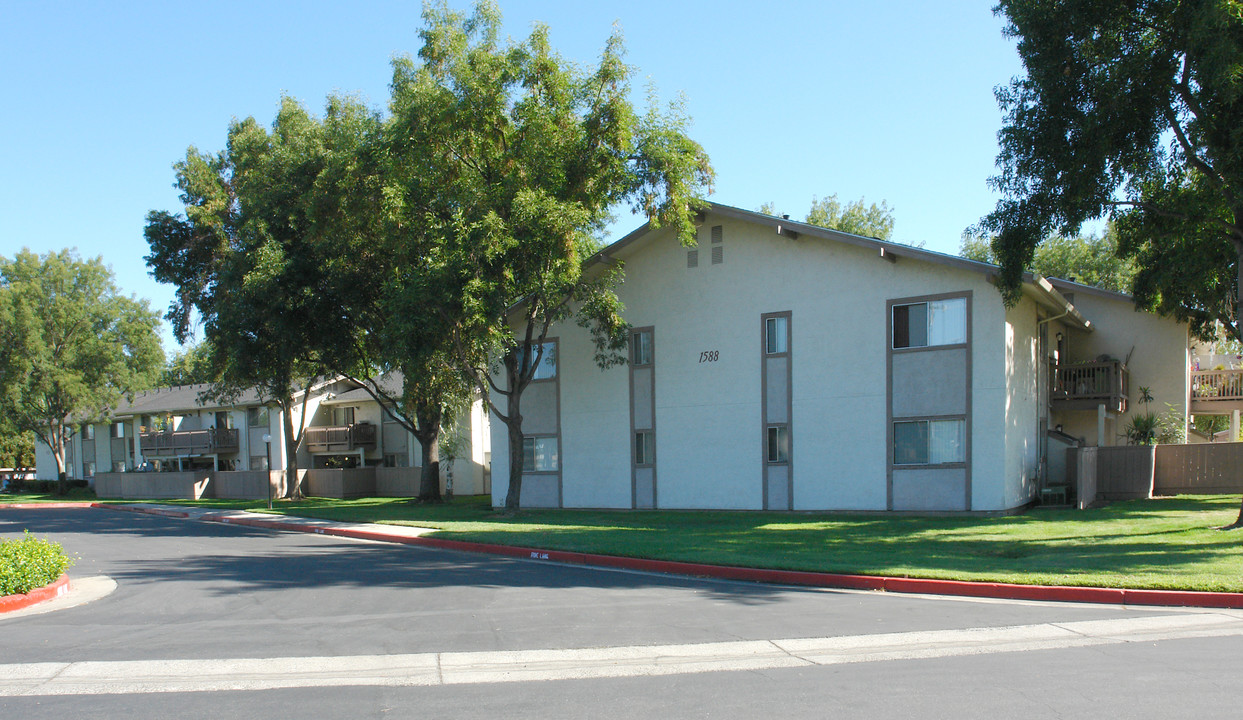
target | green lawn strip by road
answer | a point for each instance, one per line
(77, 494)
(1167, 543)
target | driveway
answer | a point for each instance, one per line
(350, 628)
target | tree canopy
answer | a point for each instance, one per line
(70, 345)
(189, 366)
(856, 217)
(517, 160)
(1129, 111)
(244, 257)
(1087, 259)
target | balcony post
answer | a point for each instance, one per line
(1234, 426)
(1100, 425)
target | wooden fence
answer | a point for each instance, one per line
(1204, 469)
(1128, 472)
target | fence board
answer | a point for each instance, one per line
(1200, 469)
(1124, 472)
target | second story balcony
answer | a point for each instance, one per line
(1087, 386)
(175, 443)
(1216, 391)
(340, 438)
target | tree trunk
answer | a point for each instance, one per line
(514, 425)
(1238, 324)
(429, 479)
(293, 483)
(428, 416)
(58, 451)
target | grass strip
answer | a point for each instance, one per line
(1165, 543)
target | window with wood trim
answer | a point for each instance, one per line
(931, 323)
(778, 450)
(641, 347)
(539, 454)
(776, 335)
(929, 442)
(644, 449)
(546, 355)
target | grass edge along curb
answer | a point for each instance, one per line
(11, 603)
(1053, 593)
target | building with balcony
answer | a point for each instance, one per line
(778, 365)
(182, 430)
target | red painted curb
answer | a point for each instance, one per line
(141, 510)
(9, 603)
(1054, 593)
(46, 505)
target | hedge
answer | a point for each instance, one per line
(30, 563)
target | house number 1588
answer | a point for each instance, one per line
(709, 356)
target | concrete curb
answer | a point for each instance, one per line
(1004, 591)
(9, 603)
(139, 509)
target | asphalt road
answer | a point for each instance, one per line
(376, 630)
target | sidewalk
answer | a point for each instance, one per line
(417, 536)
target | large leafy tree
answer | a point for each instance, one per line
(189, 366)
(70, 346)
(378, 252)
(856, 217)
(1087, 259)
(520, 155)
(245, 261)
(1131, 111)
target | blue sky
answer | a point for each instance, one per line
(888, 101)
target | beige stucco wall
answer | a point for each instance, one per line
(1023, 429)
(708, 415)
(1158, 360)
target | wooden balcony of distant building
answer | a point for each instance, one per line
(340, 438)
(1216, 391)
(180, 443)
(1087, 386)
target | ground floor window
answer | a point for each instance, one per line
(396, 460)
(644, 449)
(539, 454)
(778, 444)
(929, 442)
(258, 462)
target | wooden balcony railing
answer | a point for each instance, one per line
(1209, 386)
(1084, 386)
(340, 438)
(188, 442)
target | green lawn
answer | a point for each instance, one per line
(74, 495)
(1166, 543)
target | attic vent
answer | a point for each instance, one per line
(718, 256)
(717, 233)
(692, 258)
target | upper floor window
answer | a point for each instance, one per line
(546, 355)
(343, 416)
(88, 432)
(641, 347)
(257, 416)
(925, 324)
(117, 429)
(777, 335)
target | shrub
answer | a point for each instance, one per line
(30, 563)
